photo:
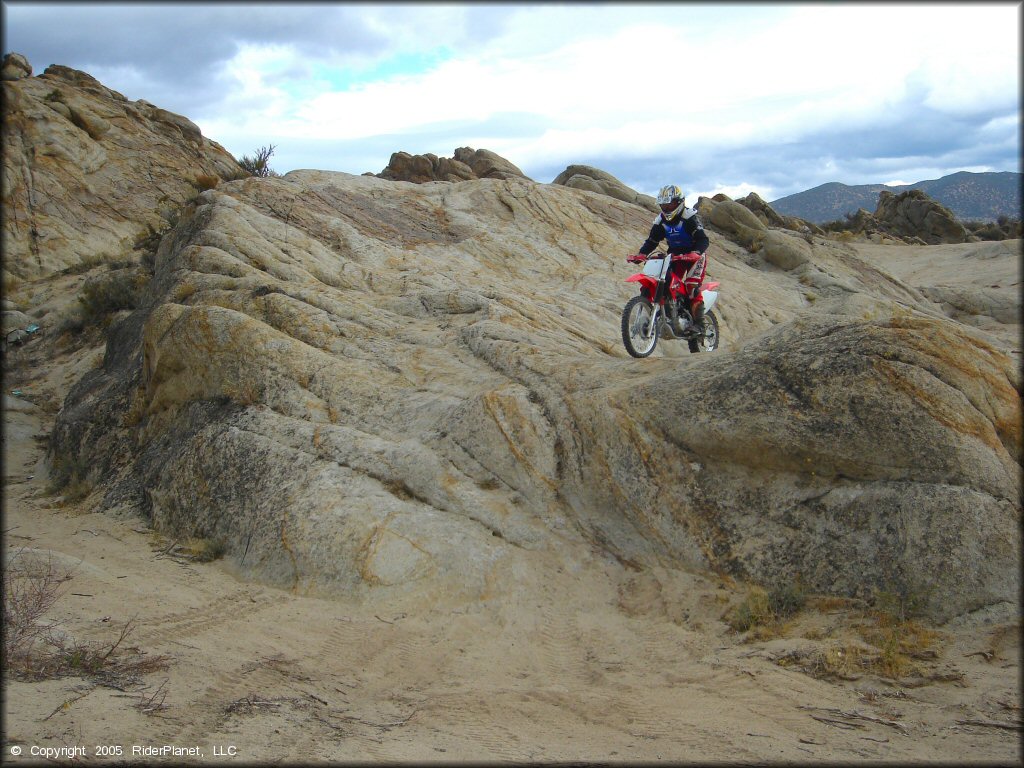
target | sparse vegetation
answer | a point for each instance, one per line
(883, 639)
(87, 264)
(257, 165)
(206, 181)
(10, 282)
(70, 475)
(35, 648)
(247, 392)
(120, 289)
(203, 550)
(195, 549)
(763, 611)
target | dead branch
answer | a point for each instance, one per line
(66, 705)
(859, 716)
(154, 703)
(987, 655)
(839, 723)
(993, 724)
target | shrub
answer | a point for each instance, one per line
(765, 609)
(70, 475)
(257, 166)
(88, 263)
(205, 181)
(206, 550)
(120, 289)
(30, 589)
(33, 646)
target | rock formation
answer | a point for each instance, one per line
(910, 217)
(771, 218)
(370, 388)
(914, 214)
(88, 173)
(594, 180)
(358, 412)
(465, 164)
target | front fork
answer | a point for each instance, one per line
(663, 298)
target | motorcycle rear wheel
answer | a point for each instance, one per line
(639, 333)
(709, 341)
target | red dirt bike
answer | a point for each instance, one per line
(663, 311)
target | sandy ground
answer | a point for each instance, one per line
(603, 665)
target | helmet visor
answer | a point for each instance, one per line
(668, 208)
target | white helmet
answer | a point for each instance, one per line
(671, 201)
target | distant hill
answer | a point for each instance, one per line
(970, 196)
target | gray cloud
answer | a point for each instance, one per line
(173, 55)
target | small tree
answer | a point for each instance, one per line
(257, 166)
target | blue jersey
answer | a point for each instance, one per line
(682, 235)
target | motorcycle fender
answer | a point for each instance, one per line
(647, 284)
(710, 297)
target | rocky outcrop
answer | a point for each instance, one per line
(464, 165)
(595, 180)
(771, 218)
(371, 388)
(736, 221)
(910, 217)
(15, 67)
(88, 174)
(914, 214)
(366, 388)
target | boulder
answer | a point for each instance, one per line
(965, 302)
(784, 251)
(15, 67)
(466, 164)
(737, 222)
(487, 165)
(770, 217)
(594, 180)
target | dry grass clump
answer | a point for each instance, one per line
(35, 648)
(206, 181)
(763, 613)
(884, 640)
(87, 264)
(203, 550)
(196, 549)
(900, 639)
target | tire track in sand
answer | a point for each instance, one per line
(177, 626)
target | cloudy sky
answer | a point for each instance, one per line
(721, 97)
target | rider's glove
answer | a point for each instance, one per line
(636, 258)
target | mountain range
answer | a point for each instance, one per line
(970, 196)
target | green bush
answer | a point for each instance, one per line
(257, 166)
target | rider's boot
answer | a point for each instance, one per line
(698, 317)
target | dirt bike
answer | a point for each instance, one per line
(661, 310)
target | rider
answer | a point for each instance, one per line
(681, 227)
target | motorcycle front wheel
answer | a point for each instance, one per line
(639, 331)
(709, 341)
